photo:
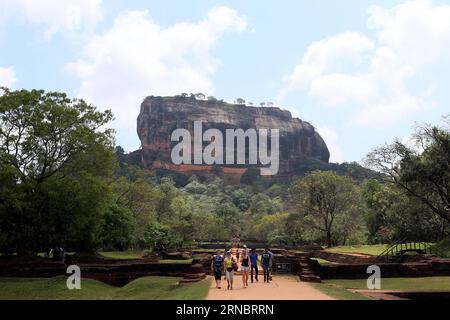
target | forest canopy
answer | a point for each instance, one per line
(65, 183)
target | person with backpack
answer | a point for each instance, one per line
(230, 266)
(266, 261)
(270, 263)
(253, 264)
(217, 268)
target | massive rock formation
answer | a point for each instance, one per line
(159, 117)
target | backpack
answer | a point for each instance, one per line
(265, 258)
(218, 262)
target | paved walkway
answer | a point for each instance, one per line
(281, 288)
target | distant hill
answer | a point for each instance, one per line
(160, 116)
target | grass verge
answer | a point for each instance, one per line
(122, 254)
(363, 249)
(146, 288)
(398, 284)
(338, 292)
(321, 261)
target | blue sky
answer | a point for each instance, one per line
(363, 72)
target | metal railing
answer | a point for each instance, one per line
(397, 250)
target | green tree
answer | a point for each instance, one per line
(407, 217)
(117, 228)
(164, 210)
(321, 198)
(240, 101)
(200, 96)
(228, 212)
(393, 214)
(377, 205)
(423, 172)
(208, 227)
(242, 198)
(350, 227)
(250, 176)
(182, 220)
(55, 158)
(262, 204)
(140, 196)
(269, 227)
(158, 237)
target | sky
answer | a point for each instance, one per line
(362, 72)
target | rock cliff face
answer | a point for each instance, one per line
(159, 117)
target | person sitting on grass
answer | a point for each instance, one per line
(217, 268)
(229, 265)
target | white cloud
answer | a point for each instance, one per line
(137, 57)
(7, 77)
(417, 31)
(332, 52)
(370, 77)
(331, 138)
(53, 15)
(320, 71)
(388, 111)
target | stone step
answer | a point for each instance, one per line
(194, 275)
(186, 281)
(307, 272)
(304, 265)
(310, 278)
(191, 278)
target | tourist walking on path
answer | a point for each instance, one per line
(266, 262)
(244, 250)
(245, 264)
(229, 265)
(217, 268)
(254, 264)
(270, 263)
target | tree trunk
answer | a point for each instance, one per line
(329, 242)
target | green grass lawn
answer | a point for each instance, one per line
(122, 254)
(169, 261)
(137, 255)
(364, 249)
(321, 261)
(147, 288)
(400, 284)
(338, 292)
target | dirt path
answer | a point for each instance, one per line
(281, 288)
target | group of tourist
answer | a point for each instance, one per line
(247, 261)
